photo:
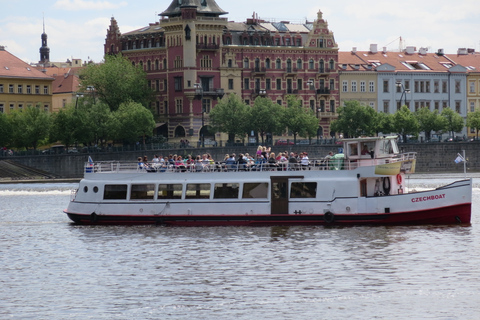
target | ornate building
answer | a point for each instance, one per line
(193, 56)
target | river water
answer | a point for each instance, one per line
(52, 269)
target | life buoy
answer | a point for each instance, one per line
(386, 185)
(399, 178)
(328, 217)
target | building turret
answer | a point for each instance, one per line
(44, 49)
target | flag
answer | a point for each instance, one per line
(459, 159)
(90, 159)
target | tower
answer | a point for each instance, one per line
(44, 49)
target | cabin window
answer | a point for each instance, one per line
(226, 191)
(255, 190)
(352, 149)
(386, 147)
(198, 191)
(169, 191)
(303, 190)
(142, 191)
(115, 192)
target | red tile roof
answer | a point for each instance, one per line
(13, 67)
(67, 83)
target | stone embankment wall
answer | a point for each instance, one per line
(434, 157)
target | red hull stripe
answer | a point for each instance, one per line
(446, 215)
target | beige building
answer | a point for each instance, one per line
(21, 85)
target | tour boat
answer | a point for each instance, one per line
(366, 184)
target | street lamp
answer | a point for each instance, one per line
(399, 84)
(92, 90)
(199, 89)
(78, 95)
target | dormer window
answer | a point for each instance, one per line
(204, 3)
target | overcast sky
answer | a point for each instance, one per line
(77, 28)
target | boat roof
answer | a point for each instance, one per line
(363, 139)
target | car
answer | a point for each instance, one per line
(303, 142)
(73, 150)
(283, 142)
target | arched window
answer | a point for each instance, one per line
(299, 64)
(278, 64)
(289, 65)
(230, 63)
(149, 65)
(321, 66)
(257, 64)
(165, 64)
(311, 64)
(331, 64)
(267, 63)
(157, 65)
(246, 63)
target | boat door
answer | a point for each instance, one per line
(279, 195)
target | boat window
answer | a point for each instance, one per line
(198, 191)
(142, 191)
(255, 190)
(115, 192)
(386, 147)
(226, 191)
(169, 191)
(367, 148)
(353, 149)
(303, 190)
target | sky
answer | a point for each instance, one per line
(77, 28)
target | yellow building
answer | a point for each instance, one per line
(358, 81)
(21, 85)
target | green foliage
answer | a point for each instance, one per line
(453, 121)
(355, 119)
(133, 120)
(63, 126)
(231, 115)
(383, 123)
(473, 120)
(298, 120)
(429, 121)
(117, 81)
(29, 127)
(405, 122)
(5, 131)
(266, 117)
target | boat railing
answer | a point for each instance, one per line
(313, 164)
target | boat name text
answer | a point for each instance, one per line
(427, 198)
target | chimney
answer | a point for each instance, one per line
(2, 48)
(373, 48)
(462, 51)
(441, 52)
(354, 49)
(410, 50)
(423, 51)
(384, 50)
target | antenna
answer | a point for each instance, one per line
(43, 13)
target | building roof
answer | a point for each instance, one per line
(151, 28)
(13, 67)
(65, 83)
(203, 7)
(411, 61)
(471, 61)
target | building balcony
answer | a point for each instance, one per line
(326, 114)
(211, 92)
(289, 71)
(323, 71)
(323, 91)
(292, 91)
(207, 46)
(259, 71)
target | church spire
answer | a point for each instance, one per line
(44, 49)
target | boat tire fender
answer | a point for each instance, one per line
(386, 185)
(93, 217)
(399, 178)
(328, 217)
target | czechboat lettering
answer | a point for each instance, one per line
(428, 198)
(361, 185)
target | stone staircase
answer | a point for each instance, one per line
(10, 170)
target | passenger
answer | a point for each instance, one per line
(250, 160)
(259, 163)
(292, 161)
(259, 150)
(198, 164)
(180, 165)
(365, 150)
(242, 163)
(231, 163)
(266, 152)
(141, 165)
(272, 162)
(304, 162)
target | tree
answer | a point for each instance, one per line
(99, 118)
(453, 121)
(30, 126)
(117, 81)
(473, 121)
(231, 115)
(429, 121)
(133, 121)
(383, 123)
(266, 117)
(405, 123)
(5, 130)
(355, 120)
(63, 126)
(299, 120)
